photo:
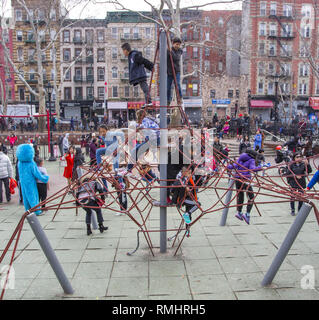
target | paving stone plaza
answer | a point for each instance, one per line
(213, 263)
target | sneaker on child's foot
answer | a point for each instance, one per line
(246, 217)
(293, 213)
(239, 215)
(186, 218)
(119, 214)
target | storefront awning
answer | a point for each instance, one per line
(314, 103)
(116, 105)
(139, 104)
(261, 104)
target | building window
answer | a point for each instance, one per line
(114, 91)
(184, 88)
(89, 74)
(18, 17)
(89, 35)
(114, 33)
(126, 73)
(304, 51)
(273, 29)
(287, 10)
(207, 36)
(114, 72)
(261, 49)
(272, 49)
(100, 93)
(305, 31)
(19, 36)
(53, 14)
(220, 22)
(135, 92)
(89, 93)
(303, 70)
(114, 53)
(148, 34)
(78, 74)
(127, 33)
(148, 52)
(66, 36)
(77, 36)
(101, 55)
(260, 87)
(306, 10)
(195, 52)
(126, 91)
(136, 33)
(230, 94)
(262, 29)
(100, 35)
(184, 34)
(317, 88)
(207, 52)
(303, 88)
(67, 55)
(195, 89)
(220, 66)
(270, 88)
(271, 69)
(262, 11)
(77, 52)
(67, 74)
(212, 94)
(20, 55)
(100, 74)
(286, 30)
(21, 93)
(78, 93)
(207, 65)
(195, 34)
(273, 9)
(31, 53)
(261, 69)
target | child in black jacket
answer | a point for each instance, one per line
(296, 177)
(87, 198)
(137, 75)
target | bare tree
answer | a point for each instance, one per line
(46, 23)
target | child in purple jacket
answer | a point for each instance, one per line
(246, 163)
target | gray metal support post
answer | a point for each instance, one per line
(163, 145)
(49, 253)
(287, 244)
(227, 201)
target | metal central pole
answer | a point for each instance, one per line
(163, 144)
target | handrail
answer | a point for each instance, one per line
(272, 135)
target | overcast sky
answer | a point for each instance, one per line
(99, 10)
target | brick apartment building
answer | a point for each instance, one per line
(280, 53)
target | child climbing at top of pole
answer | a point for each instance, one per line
(137, 75)
(176, 53)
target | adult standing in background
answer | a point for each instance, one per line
(66, 143)
(6, 173)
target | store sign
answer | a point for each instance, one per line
(116, 105)
(193, 103)
(222, 101)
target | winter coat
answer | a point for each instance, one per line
(93, 148)
(296, 169)
(314, 180)
(5, 166)
(69, 168)
(176, 56)
(29, 173)
(243, 146)
(137, 64)
(245, 164)
(258, 139)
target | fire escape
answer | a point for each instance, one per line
(282, 38)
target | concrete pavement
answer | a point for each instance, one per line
(214, 263)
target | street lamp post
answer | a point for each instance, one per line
(49, 90)
(276, 108)
(248, 102)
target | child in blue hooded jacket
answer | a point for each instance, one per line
(29, 173)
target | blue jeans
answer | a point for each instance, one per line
(102, 151)
(134, 153)
(170, 81)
